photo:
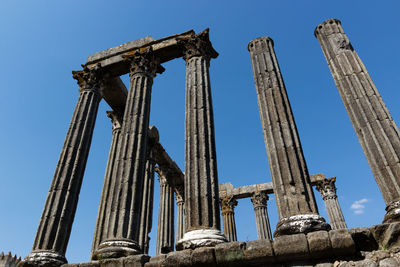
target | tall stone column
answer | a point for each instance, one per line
(123, 233)
(201, 180)
(376, 131)
(295, 199)
(146, 218)
(58, 215)
(228, 217)
(165, 229)
(180, 218)
(259, 201)
(327, 189)
(107, 192)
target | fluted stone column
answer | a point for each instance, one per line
(165, 229)
(295, 199)
(377, 133)
(228, 205)
(123, 232)
(327, 189)
(146, 218)
(180, 218)
(201, 181)
(259, 201)
(107, 192)
(58, 215)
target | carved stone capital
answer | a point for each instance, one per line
(259, 199)
(144, 62)
(115, 119)
(162, 175)
(327, 188)
(197, 45)
(89, 78)
(228, 204)
(179, 194)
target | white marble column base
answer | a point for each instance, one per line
(201, 238)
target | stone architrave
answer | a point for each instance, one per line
(165, 229)
(228, 205)
(58, 215)
(123, 232)
(201, 181)
(294, 196)
(377, 133)
(327, 189)
(107, 192)
(259, 200)
(180, 218)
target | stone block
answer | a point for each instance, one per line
(178, 258)
(111, 262)
(230, 254)
(136, 260)
(319, 244)
(90, 264)
(294, 247)
(156, 261)
(363, 239)
(324, 264)
(342, 243)
(386, 235)
(388, 262)
(259, 251)
(203, 256)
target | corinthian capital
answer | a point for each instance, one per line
(197, 45)
(115, 120)
(144, 62)
(259, 199)
(327, 188)
(89, 78)
(179, 194)
(228, 204)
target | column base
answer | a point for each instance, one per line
(116, 248)
(303, 223)
(392, 212)
(44, 258)
(201, 238)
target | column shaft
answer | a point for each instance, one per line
(228, 217)
(201, 180)
(107, 191)
(165, 229)
(377, 133)
(327, 189)
(292, 186)
(259, 201)
(58, 215)
(123, 232)
(180, 218)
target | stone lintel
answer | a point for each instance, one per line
(115, 94)
(164, 49)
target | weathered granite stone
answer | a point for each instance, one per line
(259, 251)
(319, 244)
(203, 256)
(342, 243)
(324, 264)
(230, 254)
(388, 262)
(297, 250)
(386, 235)
(363, 239)
(178, 258)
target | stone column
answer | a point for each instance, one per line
(165, 229)
(123, 233)
(228, 205)
(146, 218)
(201, 181)
(58, 215)
(107, 192)
(180, 218)
(376, 131)
(259, 201)
(295, 199)
(327, 189)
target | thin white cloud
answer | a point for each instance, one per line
(358, 206)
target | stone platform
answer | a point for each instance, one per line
(378, 245)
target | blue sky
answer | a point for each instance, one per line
(43, 41)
